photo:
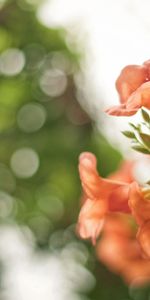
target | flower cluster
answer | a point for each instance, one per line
(133, 86)
(115, 212)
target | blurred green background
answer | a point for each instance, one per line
(43, 129)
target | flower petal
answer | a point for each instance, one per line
(130, 79)
(143, 237)
(118, 200)
(121, 110)
(124, 173)
(90, 220)
(94, 186)
(140, 207)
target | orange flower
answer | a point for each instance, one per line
(102, 196)
(124, 173)
(139, 201)
(114, 248)
(119, 250)
(143, 237)
(91, 219)
(133, 86)
(139, 204)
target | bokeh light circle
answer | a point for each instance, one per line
(51, 205)
(60, 61)
(31, 117)
(6, 204)
(12, 62)
(53, 82)
(24, 162)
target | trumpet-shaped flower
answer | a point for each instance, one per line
(133, 86)
(139, 202)
(101, 196)
(119, 250)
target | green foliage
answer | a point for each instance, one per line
(129, 134)
(139, 138)
(50, 123)
(145, 116)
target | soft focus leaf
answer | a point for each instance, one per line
(133, 126)
(141, 149)
(145, 139)
(129, 134)
(145, 116)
